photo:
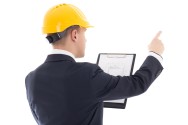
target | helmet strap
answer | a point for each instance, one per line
(55, 37)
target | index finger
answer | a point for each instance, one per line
(157, 35)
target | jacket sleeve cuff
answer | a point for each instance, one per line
(157, 56)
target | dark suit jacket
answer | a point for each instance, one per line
(64, 92)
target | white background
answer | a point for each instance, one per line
(125, 26)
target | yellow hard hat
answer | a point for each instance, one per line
(62, 16)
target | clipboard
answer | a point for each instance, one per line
(121, 64)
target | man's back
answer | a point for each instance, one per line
(59, 93)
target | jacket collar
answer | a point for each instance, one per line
(59, 57)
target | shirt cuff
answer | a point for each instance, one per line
(157, 56)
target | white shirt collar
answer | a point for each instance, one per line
(64, 52)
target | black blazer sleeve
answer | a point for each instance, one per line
(108, 87)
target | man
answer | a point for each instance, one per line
(64, 92)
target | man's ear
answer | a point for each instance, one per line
(74, 35)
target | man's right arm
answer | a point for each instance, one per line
(108, 87)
